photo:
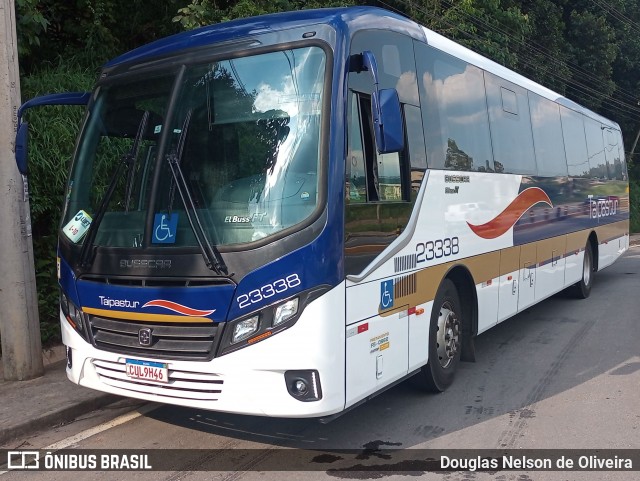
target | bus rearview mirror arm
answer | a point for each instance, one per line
(388, 126)
(22, 132)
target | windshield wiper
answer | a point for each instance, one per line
(132, 158)
(210, 252)
(127, 161)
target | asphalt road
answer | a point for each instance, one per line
(565, 374)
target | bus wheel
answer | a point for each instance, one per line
(445, 336)
(582, 288)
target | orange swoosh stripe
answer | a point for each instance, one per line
(179, 308)
(510, 215)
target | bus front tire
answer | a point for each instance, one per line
(582, 288)
(445, 340)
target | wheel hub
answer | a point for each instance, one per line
(586, 269)
(448, 337)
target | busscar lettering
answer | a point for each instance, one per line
(457, 179)
(145, 263)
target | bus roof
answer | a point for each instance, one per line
(342, 19)
(345, 20)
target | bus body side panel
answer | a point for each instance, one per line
(382, 308)
(574, 256)
(247, 381)
(376, 345)
(611, 243)
(389, 311)
(509, 282)
(551, 265)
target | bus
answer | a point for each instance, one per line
(288, 214)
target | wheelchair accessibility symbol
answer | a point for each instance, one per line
(164, 228)
(386, 294)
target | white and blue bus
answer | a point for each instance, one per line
(285, 215)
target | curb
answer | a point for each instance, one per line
(30, 406)
(56, 418)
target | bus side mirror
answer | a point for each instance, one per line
(22, 135)
(22, 147)
(387, 121)
(385, 108)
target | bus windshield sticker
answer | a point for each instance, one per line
(77, 227)
(386, 294)
(164, 228)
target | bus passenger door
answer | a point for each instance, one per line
(378, 203)
(377, 332)
(527, 277)
(376, 342)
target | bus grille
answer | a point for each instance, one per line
(193, 341)
(181, 385)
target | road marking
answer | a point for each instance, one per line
(87, 433)
(81, 436)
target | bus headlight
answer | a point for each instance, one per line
(244, 329)
(266, 322)
(72, 313)
(285, 311)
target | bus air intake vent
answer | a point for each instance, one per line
(405, 286)
(405, 263)
(155, 281)
(164, 340)
(182, 384)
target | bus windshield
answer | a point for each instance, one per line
(243, 133)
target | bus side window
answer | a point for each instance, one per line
(454, 112)
(598, 167)
(371, 177)
(575, 142)
(356, 167)
(510, 126)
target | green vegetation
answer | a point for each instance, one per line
(589, 51)
(635, 205)
(53, 132)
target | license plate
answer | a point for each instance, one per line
(147, 370)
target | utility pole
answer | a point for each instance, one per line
(19, 321)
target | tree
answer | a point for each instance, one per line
(205, 12)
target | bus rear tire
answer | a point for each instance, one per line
(445, 340)
(582, 288)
